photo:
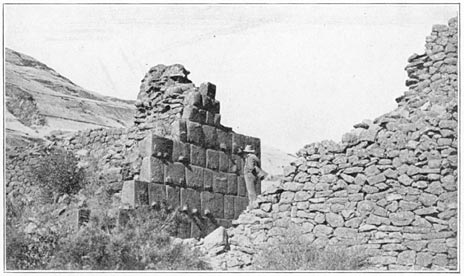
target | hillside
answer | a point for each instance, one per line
(39, 101)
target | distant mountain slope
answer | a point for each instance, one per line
(40, 100)
(273, 160)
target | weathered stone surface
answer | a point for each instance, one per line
(334, 220)
(401, 218)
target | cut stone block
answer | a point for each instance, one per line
(236, 165)
(226, 223)
(201, 116)
(212, 159)
(173, 196)
(174, 174)
(224, 163)
(208, 89)
(156, 146)
(209, 118)
(208, 103)
(212, 203)
(220, 183)
(211, 139)
(179, 130)
(193, 98)
(238, 142)
(229, 207)
(232, 186)
(241, 186)
(190, 198)
(134, 193)
(217, 119)
(240, 204)
(180, 152)
(197, 156)
(208, 176)
(152, 170)
(215, 107)
(195, 134)
(156, 193)
(224, 140)
(191, 113)
(194, 177)
(183, 227)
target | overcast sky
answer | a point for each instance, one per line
(289, 74)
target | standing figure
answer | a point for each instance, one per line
(252, 172)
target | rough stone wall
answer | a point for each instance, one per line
(19, 180)
(188, 159)
(390, 187)
(177, 154)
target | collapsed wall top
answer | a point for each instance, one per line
(167, 95)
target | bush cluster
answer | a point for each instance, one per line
(58, 173)
(294, 252)
(47, 243)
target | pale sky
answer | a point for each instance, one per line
(289, 74)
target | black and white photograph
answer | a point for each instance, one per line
(199, 137)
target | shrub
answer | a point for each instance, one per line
(294, 252)
(57, 173)
(143, 243)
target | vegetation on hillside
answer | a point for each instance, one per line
(37, 238)
(294, 252)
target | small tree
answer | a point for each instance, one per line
(57, 173)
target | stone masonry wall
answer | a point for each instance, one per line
(188, 159)
(389, 189)
(177, 154)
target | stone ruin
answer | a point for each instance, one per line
(389, 189)
(189, 159)
(177, 155)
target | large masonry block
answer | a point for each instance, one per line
(229, 207)
(134, 193)
(223, 162)
(212, 159)
(190, 198)
(208, 89)
(236, 165)
(152, 170)
(232, 186)
(209, 118)
(216, 107)
(220, 183)
(156, 193)
(180, 152)
(179, 130)
(173, 196)
(156, 146)
(193, 98)
(238, 142)
(241, 186)
(214, 203)
(174, 174)
(197, 156)
(194, 177)
(224, 140)
(211, 140)
(208, 179)
(240, 204)
(191, 113)
(195, 133)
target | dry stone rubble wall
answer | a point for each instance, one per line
(390, 188)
